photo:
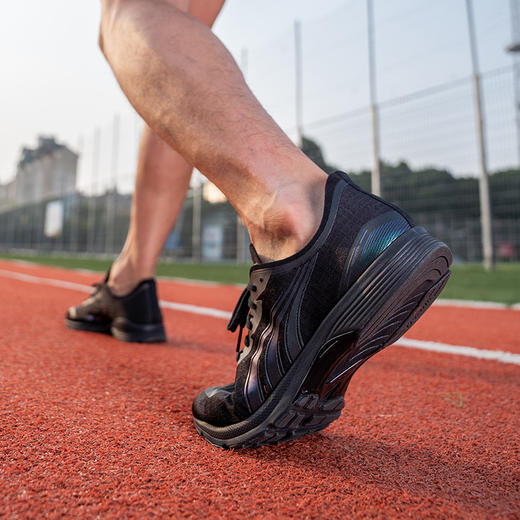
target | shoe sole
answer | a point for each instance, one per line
(386, 300)
(123, 330)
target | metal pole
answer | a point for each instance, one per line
(240, 253)
(485, 203)
(298, 83)
(63, 198)
(197, 218)
(376, 174)
(515, 36)
(75, 215)
(111, 195)
(91, 211)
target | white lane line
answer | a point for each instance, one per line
(185, 307)
(441, 302)
(432, 346)
(472, 304)
(195, 309)
(187, 281)
(46, 281)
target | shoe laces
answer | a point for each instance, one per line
(243, 317)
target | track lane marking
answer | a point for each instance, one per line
(46, 281)
(474, 304)
(440, 302)
(459, 350)
(62, 284)
(431, 346)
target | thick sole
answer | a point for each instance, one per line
(123, 329)
(386, 300)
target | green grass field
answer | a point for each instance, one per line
(468, 281)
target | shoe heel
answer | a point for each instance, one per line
(412, 276)
(125, 330)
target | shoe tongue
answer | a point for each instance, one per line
(254, 255)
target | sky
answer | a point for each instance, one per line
(56, 82)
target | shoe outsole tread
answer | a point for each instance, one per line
(154, 333)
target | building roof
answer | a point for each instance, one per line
(46, 146)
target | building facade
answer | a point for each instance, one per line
(43, 173)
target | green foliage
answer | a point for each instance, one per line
(431, 189)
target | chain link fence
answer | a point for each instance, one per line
(428, 158)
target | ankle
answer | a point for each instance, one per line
(290, 220)
(125, 275)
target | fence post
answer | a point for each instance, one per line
(197, 218)
(514, 13)
(91, 210)
(485, 203)
(75, 216)
(376, 173)
(111, 196)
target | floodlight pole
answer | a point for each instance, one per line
(376, 173)
(485, 202)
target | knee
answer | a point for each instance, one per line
(111, 11)
(108, 8)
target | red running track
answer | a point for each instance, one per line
(91, 427)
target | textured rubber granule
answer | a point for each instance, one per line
(92, 427)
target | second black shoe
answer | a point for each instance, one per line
(314, 318)
(133, 317)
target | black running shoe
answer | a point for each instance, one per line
(314, 318)
(133, 317)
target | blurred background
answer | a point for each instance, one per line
(418, 100)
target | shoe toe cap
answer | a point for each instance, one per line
(72, 313)
(215, 406)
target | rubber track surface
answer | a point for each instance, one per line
(91, 427)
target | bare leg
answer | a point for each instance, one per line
(187, 87)
(162, 180)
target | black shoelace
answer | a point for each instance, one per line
(242, 317)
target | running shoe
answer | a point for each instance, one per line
(314, 318)
(133, 317)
